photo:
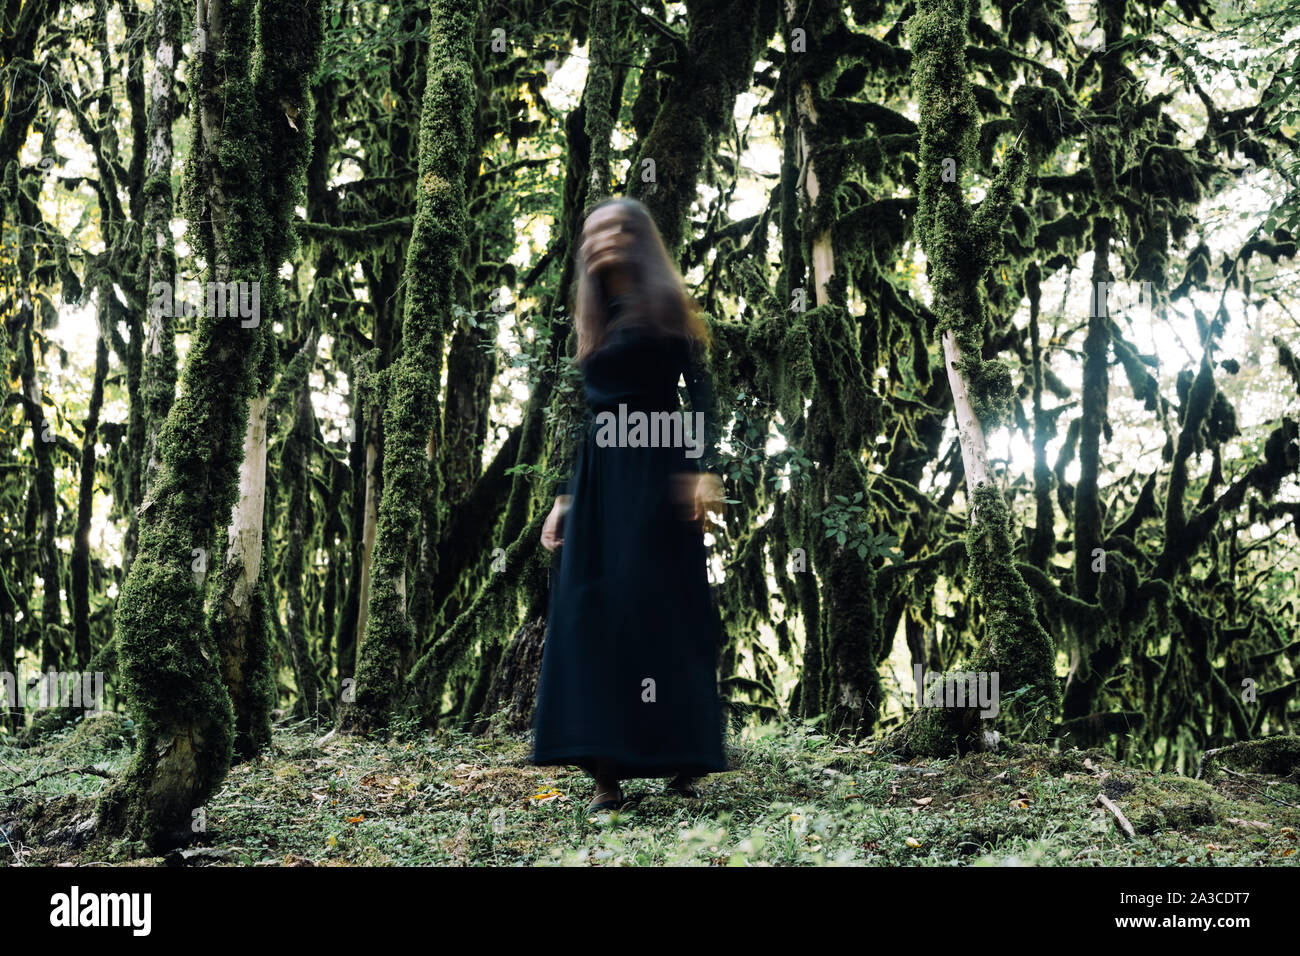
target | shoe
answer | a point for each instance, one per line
(681, 785)
(615, 803)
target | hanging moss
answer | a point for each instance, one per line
(1043, 116)
(1287, 359)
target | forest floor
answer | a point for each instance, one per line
(794, 797)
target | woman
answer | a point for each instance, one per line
(628, 685)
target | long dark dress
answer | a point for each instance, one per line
(630, 601)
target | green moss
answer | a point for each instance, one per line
(412, 419)
(1278, 756)
(991, 391)
(1169, 803)
(1015, 643)
(168, 659)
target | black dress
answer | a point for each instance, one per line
(629, 668)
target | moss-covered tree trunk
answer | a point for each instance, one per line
(723, 42)
(412, 417)
(244, 603)
(248, 82)
(1086, 675)
(386, 280)
(960, 246)
(842, 412)
(158, 386)
(297, 473)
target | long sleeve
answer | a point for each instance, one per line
(699, 386)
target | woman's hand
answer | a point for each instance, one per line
(553, 529)
(700, 493)
(709, 497)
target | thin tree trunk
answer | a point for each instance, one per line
(297, 471)
(43, 439)
(158, 388)
(80, 562)
(242, 601)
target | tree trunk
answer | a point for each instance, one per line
(158, 388)
(168, 659)
(1014, 644)
(412, 416)
(80, 563)
(297, 471)
(43, 439)
(240, 626)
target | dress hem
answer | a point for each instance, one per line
(626, 768)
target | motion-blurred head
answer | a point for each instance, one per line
(620, 253)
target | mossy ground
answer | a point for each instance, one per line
(794, 798)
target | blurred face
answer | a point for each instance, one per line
(607, 240)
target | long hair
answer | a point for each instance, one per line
(658, 295)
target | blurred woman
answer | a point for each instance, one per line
(628, 684)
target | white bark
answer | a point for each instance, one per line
(823, 255)
(244, 548)
(970, 433)
(368, 537)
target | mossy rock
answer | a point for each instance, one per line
(67, 821)
(91, 739)
(1171, 803)
(1277, 756)
(107, 731)
(47, 722)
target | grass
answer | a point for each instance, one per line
(794, 798)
